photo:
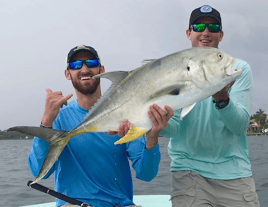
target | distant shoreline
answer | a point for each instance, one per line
(14, 135)
(21, 136)
(4, 135)
(16, 138)
(257, 134)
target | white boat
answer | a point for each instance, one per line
(143, 200)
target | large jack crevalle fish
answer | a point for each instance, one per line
(178, 80)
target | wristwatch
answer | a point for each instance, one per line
(42, 126)
(221, 104)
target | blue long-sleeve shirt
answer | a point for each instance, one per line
(210, 141)
(91, 168)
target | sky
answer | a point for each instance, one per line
(36, 36)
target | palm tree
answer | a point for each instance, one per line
(260, 117)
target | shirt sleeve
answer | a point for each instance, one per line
(144, 161)
(173, 125)
(236, 114)
(38, 153)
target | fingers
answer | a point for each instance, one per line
(110, 132)
(159, 114)
(64, 100)
(123, 128)
(48, 90)
(54, 101)
(159, 117)
(223, 94)
(57, 98)
(228, 86)
(170, 112)
(155, 114)
(232, 83)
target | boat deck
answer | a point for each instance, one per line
(143, 200)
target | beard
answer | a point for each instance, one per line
(86, 88)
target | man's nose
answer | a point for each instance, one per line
(206, 31)
(84, 67)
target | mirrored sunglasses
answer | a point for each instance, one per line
(202, 26)
(79, 63)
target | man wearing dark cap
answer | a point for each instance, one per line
(202, 18)
(91, 168)
(208, 148)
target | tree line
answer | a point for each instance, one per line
(260, 118)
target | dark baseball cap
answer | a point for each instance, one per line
(204, 11)
(80, 48)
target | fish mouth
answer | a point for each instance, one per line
(230, 70)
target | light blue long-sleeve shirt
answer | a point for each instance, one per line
(91, 168)
(210, 141)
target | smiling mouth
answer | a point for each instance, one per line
(205, 41)
(85, 78)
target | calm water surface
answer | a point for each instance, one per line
(14, 173)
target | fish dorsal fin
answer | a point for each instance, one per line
(186, 110)
(173, 89)
(115, 77)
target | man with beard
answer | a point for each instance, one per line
(91, 168)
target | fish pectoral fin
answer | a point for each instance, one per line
(186, 110)
(133, 133)
(173, 89)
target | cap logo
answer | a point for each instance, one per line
(206, 9)
(81, 47)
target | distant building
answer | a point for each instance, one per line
(253, 126)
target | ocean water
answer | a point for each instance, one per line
(14, 173)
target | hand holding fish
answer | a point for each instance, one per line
(123, 128)
(54, 101)
(159, 119)
(223, 94)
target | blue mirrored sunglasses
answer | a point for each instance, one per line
(79, 63)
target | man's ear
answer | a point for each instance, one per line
(221, 35)
(102, 69)
(67, 74)
(188, 34)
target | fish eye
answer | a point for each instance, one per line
(220, 56)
